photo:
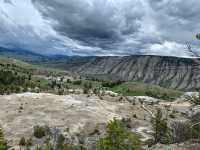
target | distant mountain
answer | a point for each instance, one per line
(21, 54)
(29, 57)
(169, 72)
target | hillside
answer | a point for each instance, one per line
(169, 72)
(29, 57)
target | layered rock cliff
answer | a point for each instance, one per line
(170, 72)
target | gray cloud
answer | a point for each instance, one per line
(101, 27)
(177, 20)
(94, 23)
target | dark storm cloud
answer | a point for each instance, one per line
(101, 27)
(94, 23)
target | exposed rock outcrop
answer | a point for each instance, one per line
(170, 72)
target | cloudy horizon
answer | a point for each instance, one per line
(100, 27)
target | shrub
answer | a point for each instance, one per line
(195, 117)
(3, 143)
(181, 131)
(96, 91)
(60, 142)
(29, 142)
(118, 138)
(22, 141)
(158, 95)
(195, 99)
(61, 91)
(86, 87)
(85, 91)
(49, 146)
(149, 142)
(39, 132)
(111, 84)
(196, 132)
(172, 116)
(68, 147)
(21, 108)
(38, 148)
(134, 116)
(53, 84)
(69, 81)
(77, 82)
(195, 121)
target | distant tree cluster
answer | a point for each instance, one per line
(158, 95)
(112, 84)
(77, 82)
(13, 82)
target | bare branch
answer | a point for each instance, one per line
(189, 48)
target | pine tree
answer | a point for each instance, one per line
(161, 130)
(118, 138)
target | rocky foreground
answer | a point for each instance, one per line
(19, 113)
(80, 115)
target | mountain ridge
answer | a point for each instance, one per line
(166, 71)
(170, 72)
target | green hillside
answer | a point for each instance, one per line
(142, 89)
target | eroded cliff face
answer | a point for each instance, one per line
(170, 72)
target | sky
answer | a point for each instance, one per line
(101, 27)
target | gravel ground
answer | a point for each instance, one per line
(20, 112)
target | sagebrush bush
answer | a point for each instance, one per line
(22, 141)
(39, 131)
(3, 143)
(181, 131)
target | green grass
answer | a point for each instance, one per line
(142, 89)
(72, 85)
(126, 88)
(34, 69)
(133, 89)
(40, 82)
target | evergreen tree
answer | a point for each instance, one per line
(161, 130)
(118, 138)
